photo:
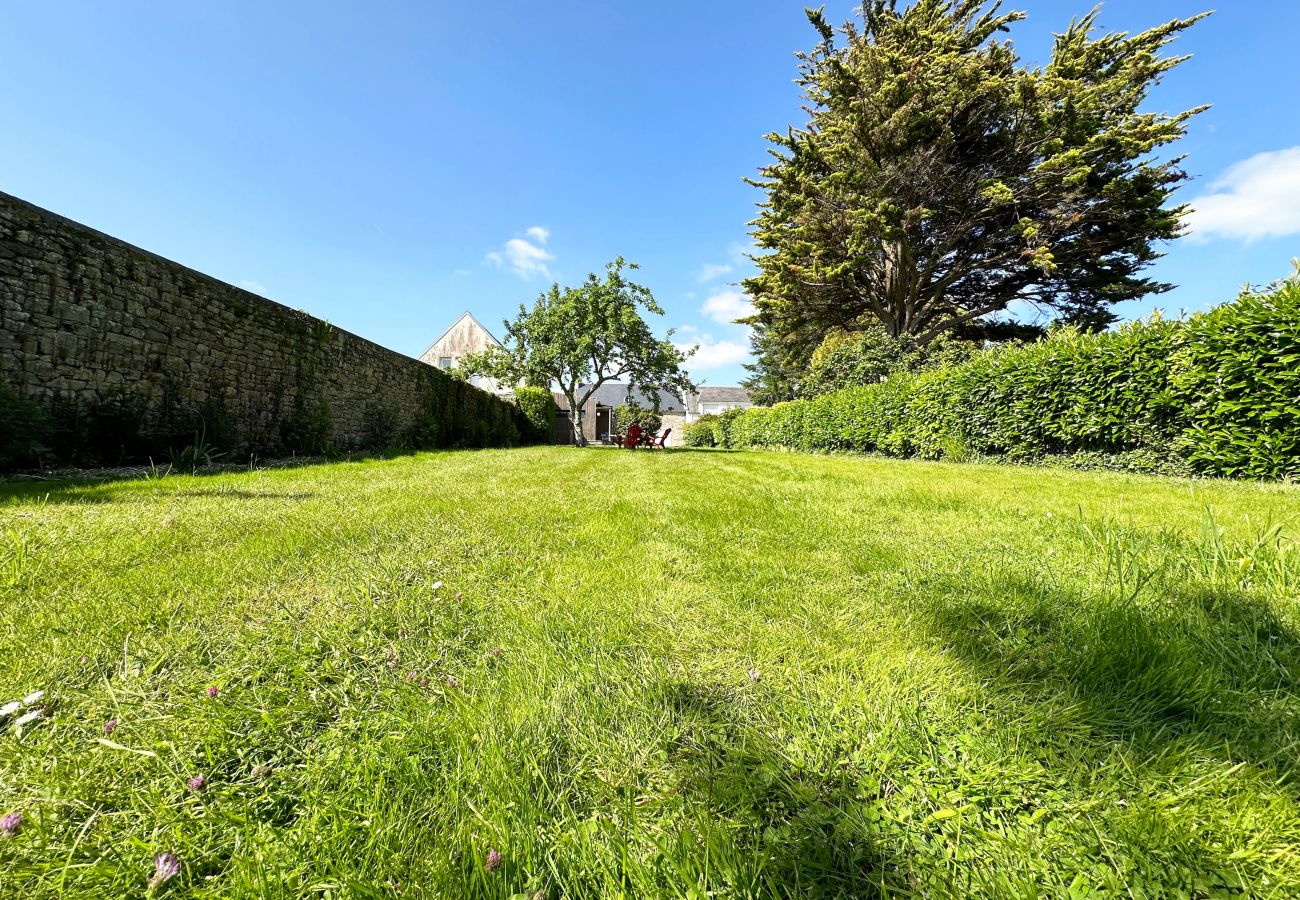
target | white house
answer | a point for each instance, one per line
(716, 400)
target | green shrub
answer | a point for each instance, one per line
(700, 432)
(1242, 386)
(629, 414)
(1218, 393)
(722, 427)
(870, 356)
(539, 411)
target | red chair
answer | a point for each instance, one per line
(659, 445)
(633, 437)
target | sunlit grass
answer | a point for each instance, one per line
(684, 674)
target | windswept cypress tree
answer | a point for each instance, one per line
(939, 179)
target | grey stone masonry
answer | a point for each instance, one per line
(86, 318)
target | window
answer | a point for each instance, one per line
(445, 362)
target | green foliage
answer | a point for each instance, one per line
(24, 429)
(581, 337)
(853, 359)
(939, 179)
(700, 433)
(722, 427)
(628, 414)
(1216, 393)
(538, 406)
(197, 455)
(1242, 389)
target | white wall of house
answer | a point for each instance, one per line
(715, 408)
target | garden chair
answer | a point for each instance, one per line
(659, 444)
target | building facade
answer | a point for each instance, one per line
(466, 335)
(714, 400)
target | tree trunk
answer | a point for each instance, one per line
(579, 439)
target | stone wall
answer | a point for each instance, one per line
(92, 327)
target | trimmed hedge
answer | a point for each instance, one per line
(1218, 393)
(1241, 386)
(700, 432)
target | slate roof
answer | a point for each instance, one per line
(614, 393)
(722, 395)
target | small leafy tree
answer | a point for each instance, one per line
(579, 338)
(629, 414)
(939, 179)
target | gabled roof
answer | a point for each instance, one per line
(722, 395)
(481, 326)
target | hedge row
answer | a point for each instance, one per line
(1218, 393)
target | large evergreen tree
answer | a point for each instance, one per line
(939, 180)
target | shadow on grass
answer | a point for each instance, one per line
(91, 493)
(1209, 666)
(78, 486)
(764, 827)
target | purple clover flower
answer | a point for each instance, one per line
(11, 824)
(165, 867)
(213, 690)
(110, 726)
(493, 861)
(197, 783)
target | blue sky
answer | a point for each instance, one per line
(387, 165)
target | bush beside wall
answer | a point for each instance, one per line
(539, 410)
(700, 432)
(1217, 394)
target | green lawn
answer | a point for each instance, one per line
(683, 674)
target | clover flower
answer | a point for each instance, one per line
(197, 783)
(110, 726)
(213, 690)
(165, 867)
(11, 824)
(493, 861)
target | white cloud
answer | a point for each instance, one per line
(1256, 198)
(727, 306)
(255, 287)
(711, 353)
(710, 271)
(525, 258)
